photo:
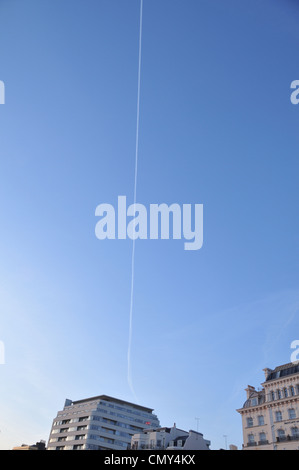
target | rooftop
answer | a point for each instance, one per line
(114, 400)
(283, 371)
(161, 429)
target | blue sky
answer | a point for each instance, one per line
(216, 128)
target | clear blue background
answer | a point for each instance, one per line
(216, 127)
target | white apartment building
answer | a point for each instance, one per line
(99, 423)
(170, 439)
(270, 416)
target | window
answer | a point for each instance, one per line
(295, 432)
(249, 422)
(64, 430)
(262, 438)
(285, 392)
(120, 443)
(278, 394)
(281, 434)
(108, 431)
(83, 418)
(251, 439)
(272, 395)
(123, 434)
(292, 390)
(261, 420)
(253, 401)
(79, 437)
(278, 416)
(292, 413)
(80, 428)
(102, 439)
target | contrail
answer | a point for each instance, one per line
(135, 193)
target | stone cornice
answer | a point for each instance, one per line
(269, 404)
(281, 380)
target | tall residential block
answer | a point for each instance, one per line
(99, 423)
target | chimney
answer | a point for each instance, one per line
(249, 390)
(267, 372)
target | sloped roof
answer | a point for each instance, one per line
(283, 370)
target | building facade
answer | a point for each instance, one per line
(270, 416)
(41, 445)
(170, 439)
(99, 423)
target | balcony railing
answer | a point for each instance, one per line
(251, 444)
(264, 442)
(259, 443)
(287, 438)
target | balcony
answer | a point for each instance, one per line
(259, 443)
(263, 442)
(251, 444)
(287, 438)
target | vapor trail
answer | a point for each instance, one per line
(135, 194)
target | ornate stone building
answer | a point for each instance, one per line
(270, 416)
